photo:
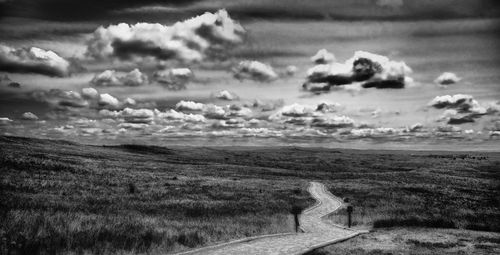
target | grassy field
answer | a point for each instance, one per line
(417, 241)
(60, 197)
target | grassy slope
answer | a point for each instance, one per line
(65, 196)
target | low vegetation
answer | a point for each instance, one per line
(60, 197)
(417, 241)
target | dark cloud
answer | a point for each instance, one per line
(75, 9)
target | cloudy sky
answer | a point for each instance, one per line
(355, 74)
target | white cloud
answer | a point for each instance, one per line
(109, 114)
(327, 107)
(5, 121)
(230, 123)
(29, 116)
(180, 116)
(238, 111)
(323, 57)
(447, 78)
(333, 122)
(493, 108)
(415, 127)
(137, 115)
(129, 101)
(254, 70)
(297, 110)
(174, 79)
(460, 102)
(494, 133)
(113, 78)
(373, 132)
(108, 101)
(226, 95)
(32, 60)
(90, 93)
(370, 69)
(189, 40)
(291, 70)
(134, 126)
(189, 106)
(212, 111)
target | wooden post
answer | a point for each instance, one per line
(296, 211)
(349, 211)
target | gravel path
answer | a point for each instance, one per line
(317, 233)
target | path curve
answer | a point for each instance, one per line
(317, 233)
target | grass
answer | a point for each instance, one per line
(417, 241)
(440, 191)
(60, 197)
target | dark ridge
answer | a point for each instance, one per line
(147, 149)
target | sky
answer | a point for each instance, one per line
(387, 74)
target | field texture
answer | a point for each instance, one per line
(60, 197)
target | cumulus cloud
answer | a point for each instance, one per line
(108, 101)
(368, 132)
(238, 111)
(493, 108)
(226, 95)
(327, 107)
(32, 60)
(323, 57)
(447, 78)
(5, 121)
(333, 122)
(129, 101)
(460, 102)
(254, 70)
(29, 116)
(460, 108)
(90, 93)
(212, 111)
(296, 110)
(180, 116)
(61, 99)
(174, 79)
(415, 127)
(113, 78)
(188, 41)
(230, 123)
(371, 70)
(134, 126)
(130, 115)
(189, 106)
(291, 70)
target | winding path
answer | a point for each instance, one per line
(317, 233)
